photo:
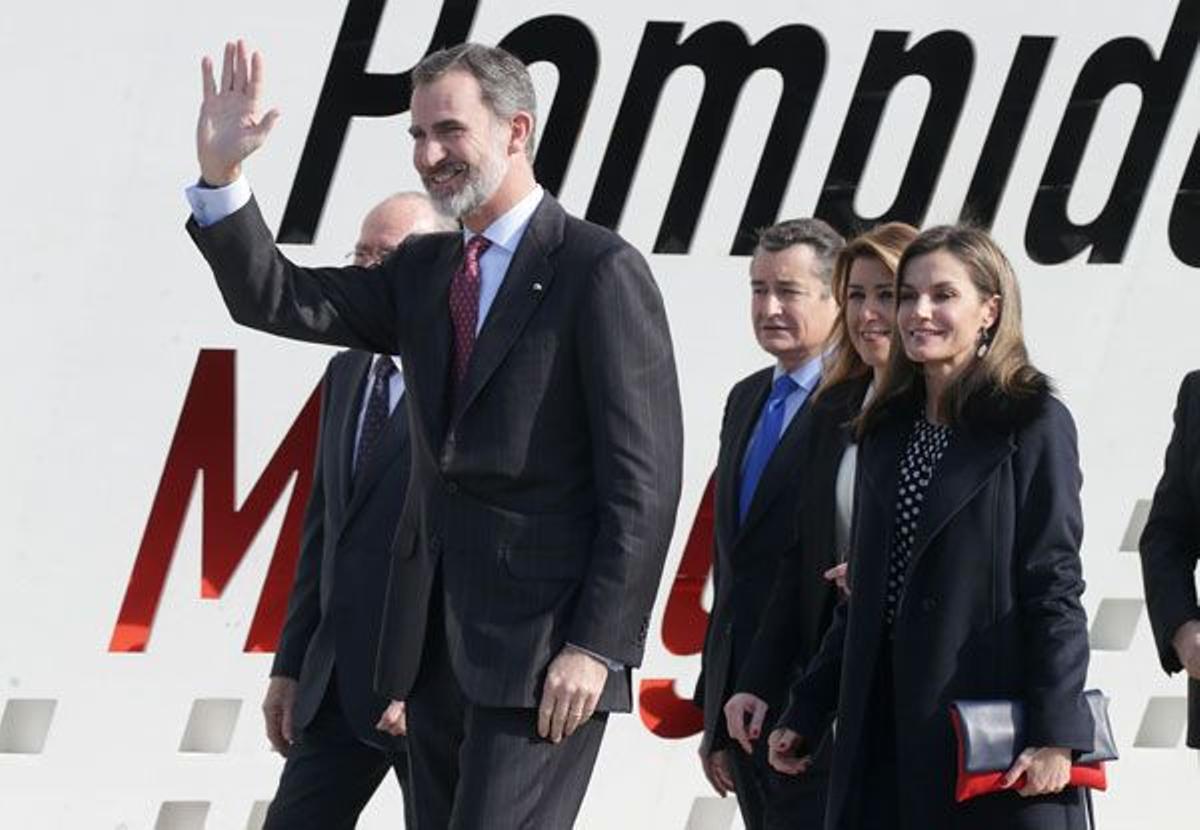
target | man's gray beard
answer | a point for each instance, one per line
(482, 184)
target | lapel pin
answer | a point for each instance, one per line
(537, 286)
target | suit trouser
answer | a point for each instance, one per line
(480, 767)
(331, 774)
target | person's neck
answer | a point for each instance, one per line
(937, 378)
(514, 187)
(793, 362)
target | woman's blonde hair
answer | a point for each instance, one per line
(884, 243)
(1003, 369)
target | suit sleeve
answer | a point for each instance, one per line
(1049, 581)
(631, 393)
(264, 290)
(304, 602)
(1171, 538)
(699, 694)
(775, 648)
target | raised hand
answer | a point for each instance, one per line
(230, 126)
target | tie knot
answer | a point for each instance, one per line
(384, 367)
(784, 386)
(476, 245)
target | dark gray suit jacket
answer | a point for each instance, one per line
(1170, 544)
(746, 556)
(547, 497)
(341, 577)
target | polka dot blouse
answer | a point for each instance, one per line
(921, 455)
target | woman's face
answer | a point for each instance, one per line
(870, 309)
(941, 313)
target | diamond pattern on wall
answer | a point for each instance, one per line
(1115, 623)
(25, 725)
(1163, 723)
(210, 725)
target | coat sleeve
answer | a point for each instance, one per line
(776, 645)
(264, 290)
(1171, 538)
(1049, 581)
(631, 393)
(304, 602)
(813, 696)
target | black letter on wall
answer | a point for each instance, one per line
(1050, 237)
(1004, 135)
(722, 52)
(1185, 214)
(946, 59)
(350, 90)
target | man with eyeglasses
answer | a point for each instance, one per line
(339, 736)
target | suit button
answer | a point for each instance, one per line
(928, 604)
(451, 487)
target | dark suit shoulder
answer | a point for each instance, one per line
(752, 384)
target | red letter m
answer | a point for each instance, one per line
(204, 443)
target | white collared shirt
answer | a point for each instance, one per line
(212, 204)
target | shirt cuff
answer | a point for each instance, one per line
(212, 204)
(613, 665)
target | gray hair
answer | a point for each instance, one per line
(504, 81)
(822, 239)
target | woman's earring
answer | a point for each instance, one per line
(985, 340)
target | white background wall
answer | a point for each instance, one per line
(106, 305)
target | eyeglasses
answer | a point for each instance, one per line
(370, 257)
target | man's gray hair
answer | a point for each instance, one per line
(504, 81)
(822, 239)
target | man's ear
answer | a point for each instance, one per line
(520, 132)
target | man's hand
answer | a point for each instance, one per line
(785, 752)
(718, 770)
(1046, 770)
(744, 715)
(277, 712)
(1187, 646)
(394, 719)
(230, 125)
(572, 689)
(837, 575)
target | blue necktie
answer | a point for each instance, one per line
(765, 441)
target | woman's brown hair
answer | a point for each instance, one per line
(884, 243)
(1003, 369)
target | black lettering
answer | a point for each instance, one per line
(946, 59)
(350, 90)
(723, 53)
(1004, 135)
(1051, 237)
(1185, 213)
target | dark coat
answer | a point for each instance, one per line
(746, 555)
(801, 601)
(336, 601)
(1170, 544)
(546, 497)
(991, 609)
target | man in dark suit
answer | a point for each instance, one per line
(764, 437)
(545, 429)
(339, 736)
(1170, 548)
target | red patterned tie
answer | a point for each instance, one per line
(464, 306)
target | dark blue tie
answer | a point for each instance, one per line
(765, 441)
(378, 410)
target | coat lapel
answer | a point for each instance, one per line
(969, 462)
(528, 279)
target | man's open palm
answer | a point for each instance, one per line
(230, 125)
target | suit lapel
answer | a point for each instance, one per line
(742, 422)
(351, 390)
(391, 443)
(429, 356)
